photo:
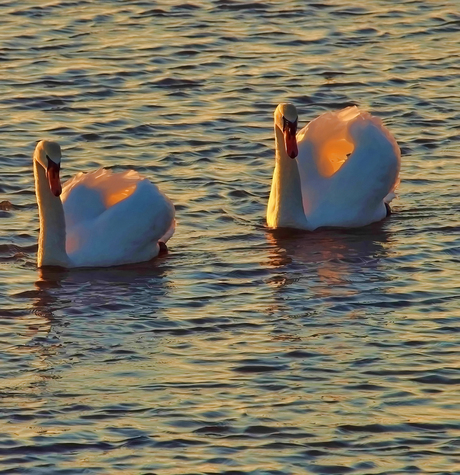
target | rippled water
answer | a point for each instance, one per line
(243, 350)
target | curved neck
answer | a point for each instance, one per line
(51, 242)
(285, 208)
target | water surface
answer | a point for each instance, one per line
(243, 351)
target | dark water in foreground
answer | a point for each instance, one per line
(243, 351)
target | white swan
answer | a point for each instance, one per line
(103, 219)
(345, 173)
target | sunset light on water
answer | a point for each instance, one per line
(243, 350)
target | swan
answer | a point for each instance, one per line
(97, 219)
(340, 170)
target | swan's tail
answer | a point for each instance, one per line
(392, 195)
(169, 233)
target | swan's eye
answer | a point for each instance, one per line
(291, 126)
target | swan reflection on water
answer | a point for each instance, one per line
(323, 280)
(132, 274)
(76, 316)
(131, 288)
(329, 257)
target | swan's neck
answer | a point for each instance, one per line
(285, 208)
(51, 241)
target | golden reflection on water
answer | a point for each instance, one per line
(355, 328)
(332, 260)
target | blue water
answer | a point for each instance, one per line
(243, 351)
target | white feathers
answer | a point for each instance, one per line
(101, 219)
(348, 166)
(114, 218)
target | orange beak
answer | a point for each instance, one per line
(53, 178)
(290, 142)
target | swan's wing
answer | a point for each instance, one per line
(124, 233)
(328, 139)
(87, 195)
(348, 165)
(370, 175)
(324, 146)
(169, 233)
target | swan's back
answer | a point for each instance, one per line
(349, 165)
(329, 136)
(114, 218)
(87, 195)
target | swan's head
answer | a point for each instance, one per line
(48, 155)
(286, 121)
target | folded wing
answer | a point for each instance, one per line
(349, 166)
(114, 218)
